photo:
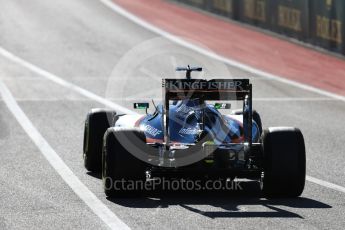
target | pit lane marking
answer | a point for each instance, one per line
(90, 199)
(63, 83)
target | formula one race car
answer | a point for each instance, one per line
(188, 137)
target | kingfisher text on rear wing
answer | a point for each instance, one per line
(215, 84)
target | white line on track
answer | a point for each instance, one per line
(294, 99)
(180, 41)
(64, 83)
(100, 209)
(326, 184)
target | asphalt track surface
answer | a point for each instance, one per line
(82, 43)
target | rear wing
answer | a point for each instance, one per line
(215, 89)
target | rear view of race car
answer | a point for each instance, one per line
(188, 137)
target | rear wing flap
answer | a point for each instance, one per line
(215, 89)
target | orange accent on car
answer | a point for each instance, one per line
(137, 123)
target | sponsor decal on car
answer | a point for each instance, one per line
(184, 109)
(151, 130)
(189, 131)
(204, 85)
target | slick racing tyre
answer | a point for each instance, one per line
(257, 119)
(122, 173)
(284, 162)
(96, 123)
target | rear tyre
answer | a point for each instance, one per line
(96, 123)
(257, 119)
(122, 173)
(284, 162)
